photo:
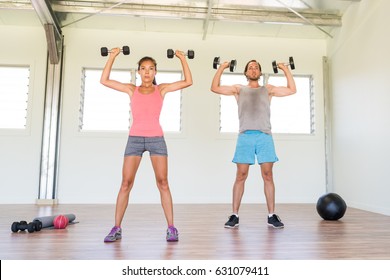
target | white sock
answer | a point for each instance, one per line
(270, 215)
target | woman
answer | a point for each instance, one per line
(145, 135)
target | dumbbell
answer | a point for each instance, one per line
(189, 53)
(23, 225)
(232, 64)
(125, 49)
(290, 62)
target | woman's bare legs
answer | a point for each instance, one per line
(129, 170)
(160, 167)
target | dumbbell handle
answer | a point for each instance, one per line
(185, 53)
(228, 62)
(291, 62)
(284, 63)
(110, 51)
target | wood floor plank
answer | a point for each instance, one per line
(359, 235)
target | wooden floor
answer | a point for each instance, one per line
(359, 235)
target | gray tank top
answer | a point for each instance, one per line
(254, 109)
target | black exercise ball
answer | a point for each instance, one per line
(331, 206)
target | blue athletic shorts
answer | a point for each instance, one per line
(254, 143)
(137, 145)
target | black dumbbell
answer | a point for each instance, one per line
(232, 64)
(290, 62)
(189, 53)
(23, 225)
(125, 49)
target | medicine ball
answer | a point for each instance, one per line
(331, 206)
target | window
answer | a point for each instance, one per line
(294, 113)
(105, 109)
(290, 114)
(14, 88)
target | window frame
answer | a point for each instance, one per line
(82, 101)
(26, 129)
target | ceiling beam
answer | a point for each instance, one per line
(207, 19)
(206, 13)
(16, 5)
(304, 18)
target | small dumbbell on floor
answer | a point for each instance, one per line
(104, 51)
(23, 225)
(290, 63)
(190, 53)
(232, 64)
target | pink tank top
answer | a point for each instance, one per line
(146, 109)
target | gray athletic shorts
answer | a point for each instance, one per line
(137, 145)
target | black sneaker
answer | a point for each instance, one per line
(274, 221)
(232, 222)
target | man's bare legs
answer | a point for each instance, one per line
(239, 185)
(269, 192)
(269, 186)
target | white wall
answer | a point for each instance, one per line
(20, 150)
(200, 167)
(360, 105)
(200, 159)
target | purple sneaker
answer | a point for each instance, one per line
(114, 235)
(172, 234)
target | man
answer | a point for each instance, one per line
(255, 137)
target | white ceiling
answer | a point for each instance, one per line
(307, 19)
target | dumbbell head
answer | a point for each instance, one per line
(216, 62)
(291, 62)
(125, 50)
(38, 225)
(170, 53)
(275, 66)
(189, 53)
(31, 227)
(15, 227)
(232, 64)
(103, 51)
